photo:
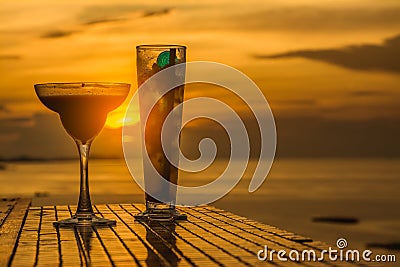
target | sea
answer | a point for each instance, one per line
(294, 195)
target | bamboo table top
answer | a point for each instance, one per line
(210, 237)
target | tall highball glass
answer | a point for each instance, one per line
(152, 59)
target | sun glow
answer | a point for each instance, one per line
(117, 119)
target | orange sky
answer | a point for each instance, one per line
(47, 41)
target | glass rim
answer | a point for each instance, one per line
(70, 85)
(160, 46)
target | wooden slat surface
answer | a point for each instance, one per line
(210, 237)
(12, 215)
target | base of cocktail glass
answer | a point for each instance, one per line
(160, 212)
(93, 220)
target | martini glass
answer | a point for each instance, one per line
(83, 109)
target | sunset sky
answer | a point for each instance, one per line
(329, 69)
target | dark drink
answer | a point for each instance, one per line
(160, 197)
(83, 116)
(154, 147)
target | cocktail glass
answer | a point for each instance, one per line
(150, 60)
(83, 109)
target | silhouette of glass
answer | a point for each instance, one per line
(84, 236)
(150, 60)
(163, 250)
(83, 109)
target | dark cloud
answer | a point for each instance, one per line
(43, 136)
(367, 57)
(323, 137)
(57, 34)
(93, 15)
(115, 13)
(4, 109)
(160, 12)
(8, 124)
(302, 136)
(10, 57)
(107, 13)
(40, 135)
(102, 21)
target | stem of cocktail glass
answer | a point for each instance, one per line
(84, 210)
